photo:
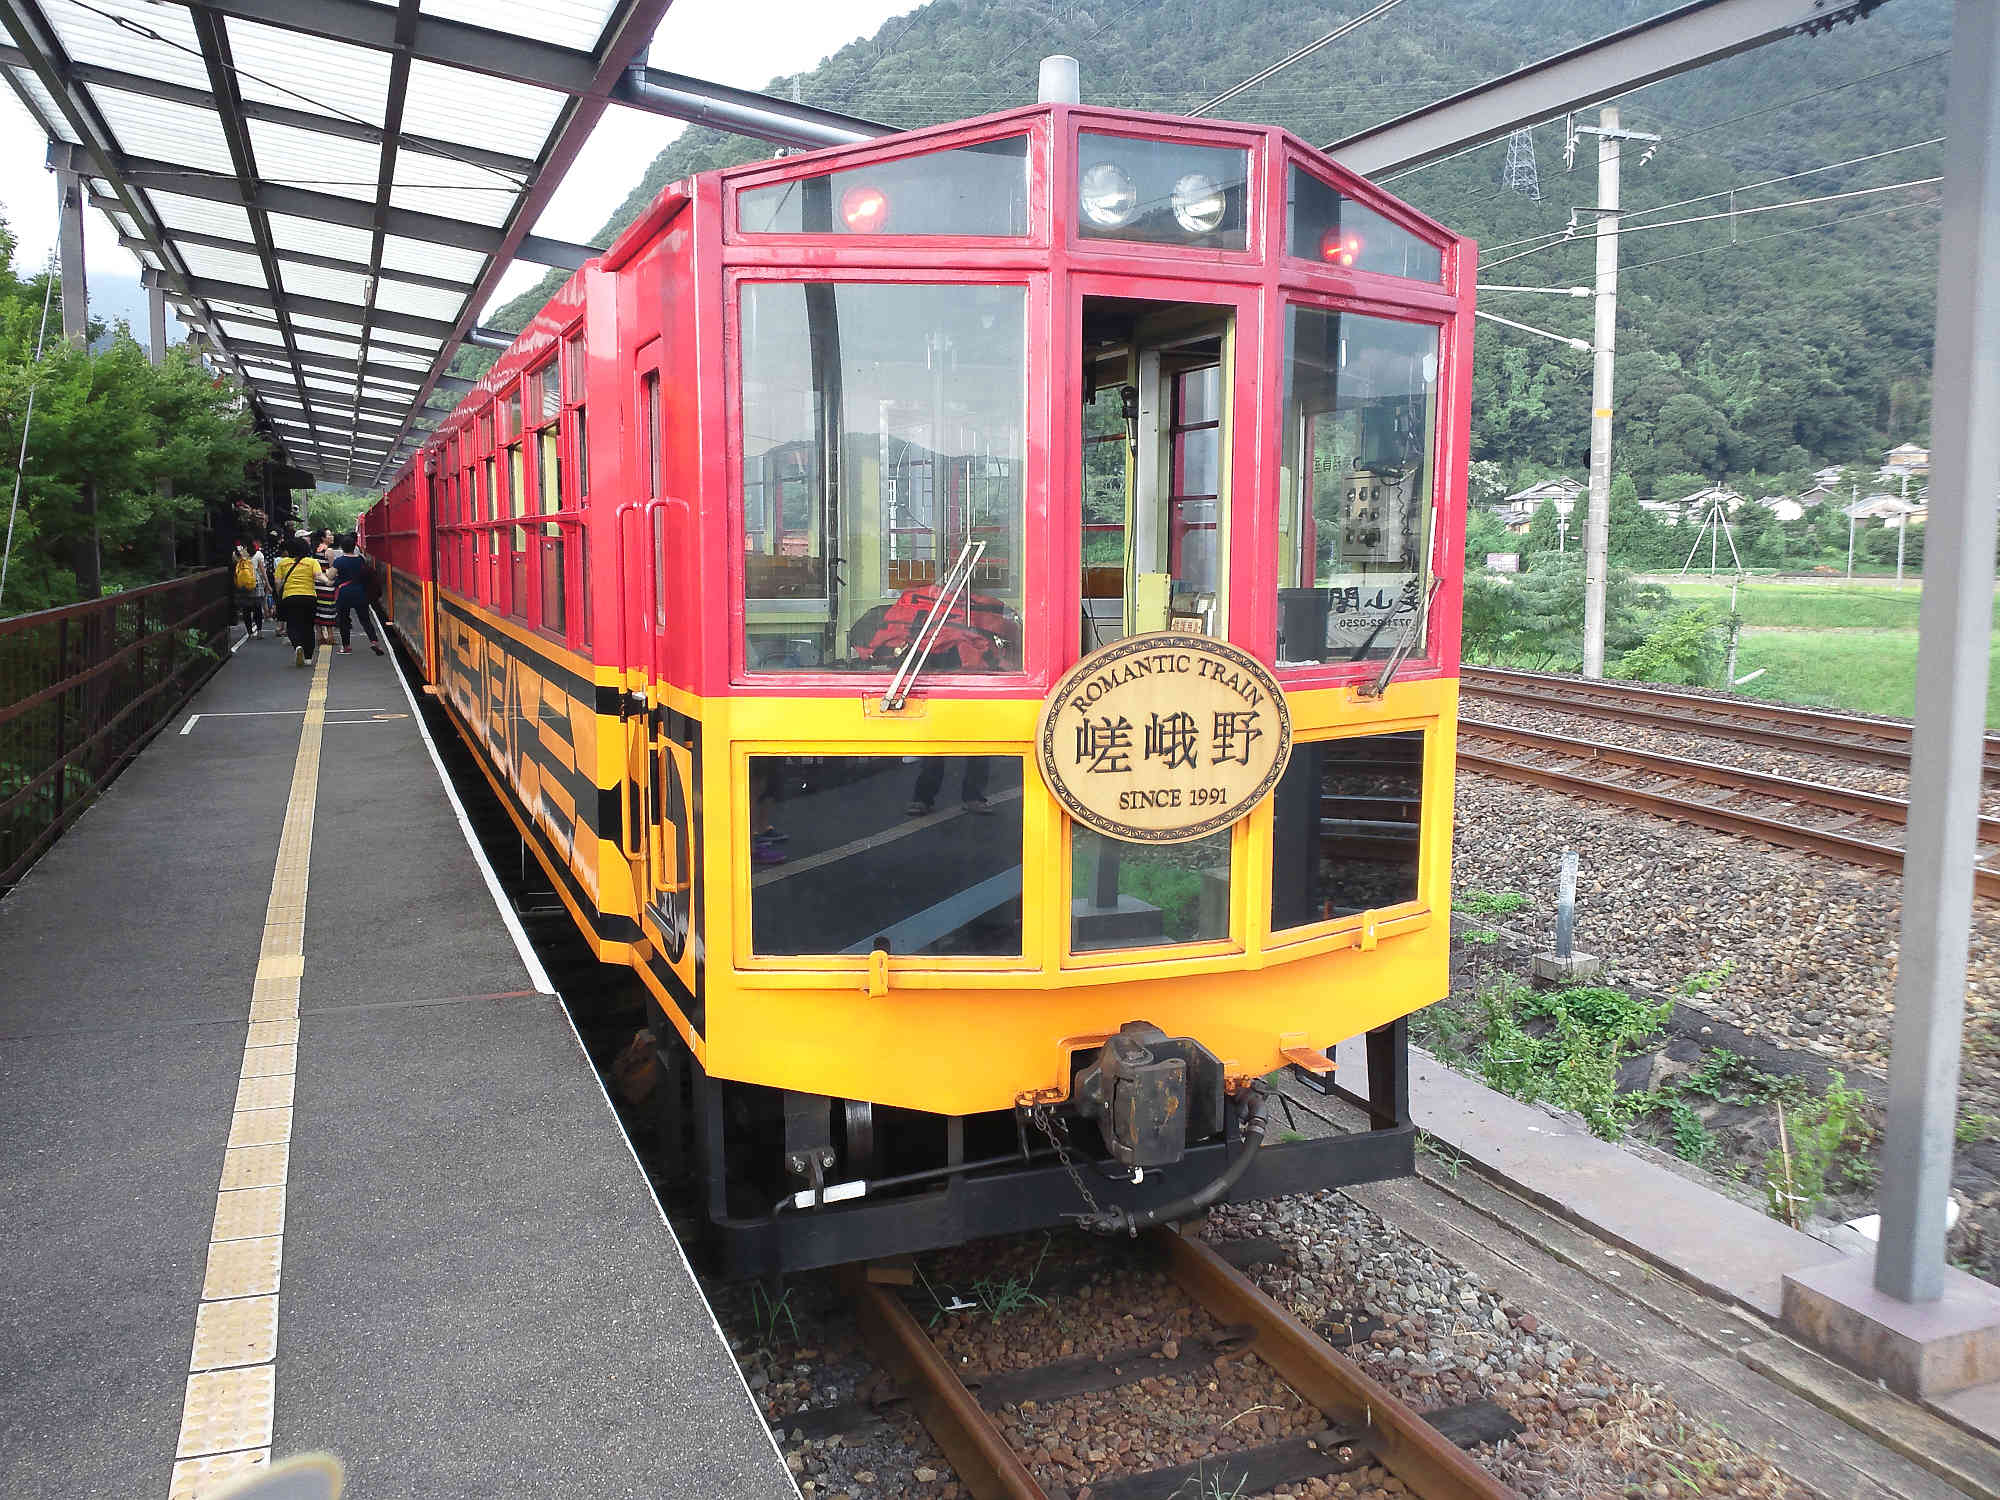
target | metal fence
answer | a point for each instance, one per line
(82, 688)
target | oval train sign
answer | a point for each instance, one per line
(1165, 737)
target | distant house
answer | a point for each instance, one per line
(1517, 510)
(1702, 503)
(1905, 458)
(1664, 511)
(1816, 495)
(1784, 507)
(1828, 477)
(1889, 510)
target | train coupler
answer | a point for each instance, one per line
(1151, 1094)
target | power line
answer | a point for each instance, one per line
(1808, 98)
(1737, 214)
(1306, 51)
(1894, 208)
(1554, 235)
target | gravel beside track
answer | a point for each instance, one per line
(1590, 1430)
(1812, 942)
(1438, 1340)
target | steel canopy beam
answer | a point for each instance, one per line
(1703, 32)
(740, 111)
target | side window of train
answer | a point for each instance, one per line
(649, 461)
(1346, 817)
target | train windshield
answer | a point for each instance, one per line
(1356, 487)
(884, 455)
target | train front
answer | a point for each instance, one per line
(1084, 714)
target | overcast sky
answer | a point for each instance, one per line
(704, 38)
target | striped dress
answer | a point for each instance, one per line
(324, 613)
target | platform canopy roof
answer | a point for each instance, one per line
(329, 189)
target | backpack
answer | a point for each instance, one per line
(246, 573)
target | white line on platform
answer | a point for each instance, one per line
(193, 719)
(537, 975)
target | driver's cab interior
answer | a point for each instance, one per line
(1156, 472)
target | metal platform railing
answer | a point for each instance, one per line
(84, 687)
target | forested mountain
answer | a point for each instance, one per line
(1749, 350)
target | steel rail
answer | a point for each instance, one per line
(1836, 736)
(1752, 825)
(1427, 1461)
(1424, 1459)
(1736, 778)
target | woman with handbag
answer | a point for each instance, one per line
(297, 578)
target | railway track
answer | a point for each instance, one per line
(1783, 726)
(1365, 1423)
(1862, 828)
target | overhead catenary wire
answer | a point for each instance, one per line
(1304, 52)
(1741, 213)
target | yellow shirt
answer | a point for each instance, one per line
(296, 577)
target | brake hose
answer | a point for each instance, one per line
(1113, 1220)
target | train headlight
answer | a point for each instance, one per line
(1108, 196)
(1199, 202)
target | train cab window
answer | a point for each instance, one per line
(1154, 506)
(980, 190)
(1345, 822)
(649, 431)
(884, 460)
(1356, 486)
(1129, 895)
(917, 856)
(1162, 192)
(1325, 225)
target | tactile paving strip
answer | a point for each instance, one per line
(232, 1385)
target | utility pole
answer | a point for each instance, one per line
(1604, 345)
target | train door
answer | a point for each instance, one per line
(1155, 467)
(660, 744)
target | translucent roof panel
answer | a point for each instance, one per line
(453, 189)
(312, 73)
(567, 23)
(427, 259)
(313, 159)
(44, 102)
(159, 42)
(315, 237)
(451, 104)
(223, 265)
(203, 216)
(425, 302)
(317, 281)
(320, 344)
(164, 130)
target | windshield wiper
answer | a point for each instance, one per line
(955, 583)
(1380, 685)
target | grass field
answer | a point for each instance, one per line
(1829, 645)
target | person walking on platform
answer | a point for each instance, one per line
(324, 590)
(248, 607)
(267, 605)
(298, 598)
(350, 575)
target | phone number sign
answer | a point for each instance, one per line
(1165, 737)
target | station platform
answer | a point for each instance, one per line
(301, 1156)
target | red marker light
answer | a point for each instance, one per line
(1340, 249)
(864, 210)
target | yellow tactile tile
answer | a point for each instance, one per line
(273, 1091)
(255, 1166)
(279, 1008)
(243, 1268)
(227, 1411)
(248, 1212)
(259, 1062)
(272, 1033)
(195, 1477)
(260, 1127)
(242, 1331)
(281, 966)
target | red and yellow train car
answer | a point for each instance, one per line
(972, 619)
